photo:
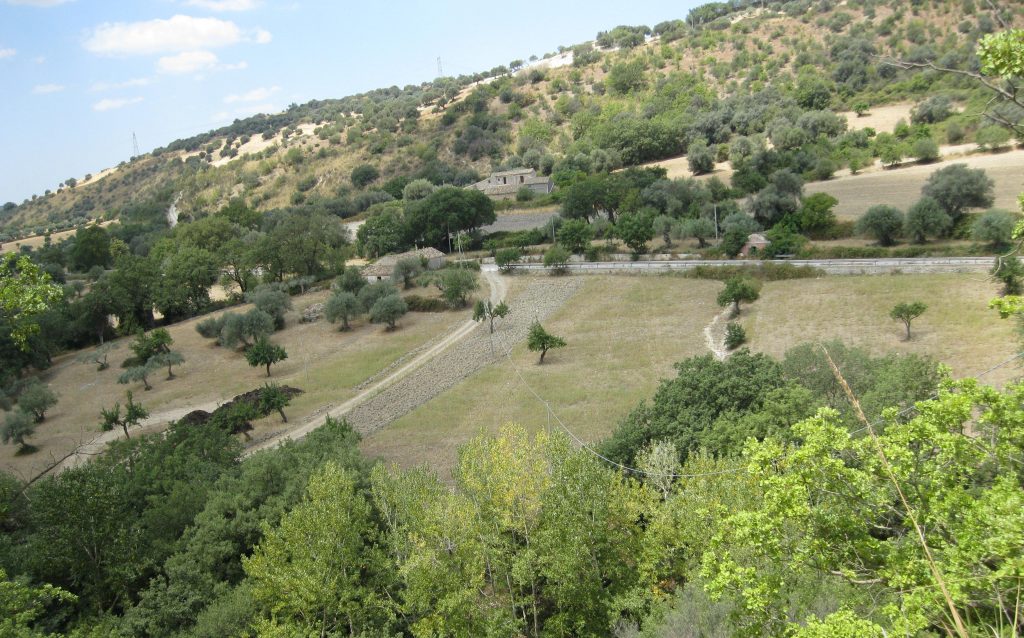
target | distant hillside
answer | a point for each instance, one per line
(633, 95)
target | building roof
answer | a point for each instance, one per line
(514, 171)
(758, 238)
(384, 266)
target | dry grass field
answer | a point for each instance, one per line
(624, 333)
(325, 363)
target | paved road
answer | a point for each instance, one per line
(829, 266)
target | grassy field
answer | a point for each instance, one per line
(624, 334)
(325, 363)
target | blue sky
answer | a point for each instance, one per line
(77, 77)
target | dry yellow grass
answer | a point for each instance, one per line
(36, 241)
(624, 334)
(958, 329)
(325, 363)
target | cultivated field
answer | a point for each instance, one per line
(901, 187)
(325, 363)
(625, 332)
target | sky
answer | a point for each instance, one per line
(79, 77)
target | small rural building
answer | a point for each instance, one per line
(383, 267)
(756, 243)
(505, 184)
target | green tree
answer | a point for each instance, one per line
(139, 372)
(737, 290)
(244, 329)
(274, 399)
(431, 220)
(388, 310)
(926, 218)
(25, 293)
(343, 306)
(506, 258)
(700, 157)
(539, 340)
(994, 227)
(383, 231)
(417, 189)
(816, 214)
(371, 293)
(91, 248)
(22, 605)
(556, 258)
(168, 359)
(575, 235)
(455, 285)
(134, 414)
(265, 353)
(406, 270)
(889, 149)
(36, 398)
(18, 426)
(187, 275)
(1009, 271)
(992, 137)
(701, 229)
(957, 188)
(635, 230)
(364, 175)
(273, 301)
(907, 312)
(351, 280)
(881, 222)
(663, 225)
(487, 311)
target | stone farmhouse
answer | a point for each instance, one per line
(505, 184)
(381, 269)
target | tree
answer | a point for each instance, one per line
(184, 287)
(487, 311)
(779, 198)
(273, 399)
(925, 150)
(417, 189)
(907, 312)
(97, 356)
(455, 285)
(957, 188)
(700, 157)
(406, 270)
(992, 137)
(310, 568)
(343, 306)
(371, 293)
(816, 215)
(388, 310)
(506, 258)
(271, 300)
(663, 225)
(168, 359)
(430, 221)
(1009, 271)
(145, 346)
(265, 353)
(383, 231)
(539, 340)
(351, 280)
(134, 413)
(364, 175)
(739, 289)
(556, 258)
(91, 248)
(889, 149)
(244, 329)
(575, 235)
(881, 222)
(701, 229)
(139, 372)
(635, 230)
(25, 293)
(926, 218)
(19, 425)
(36, 399)
(994, 227)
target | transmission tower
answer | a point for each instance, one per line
(135, 145)
(440, 71)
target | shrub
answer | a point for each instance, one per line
(995, 227)
(992, 137)
(417, 303)
(507, 258)
(735, 335)
(388, 310)
(556, 258)
(925, 150)
(934, 109)
(211, 327)
(881, 222)
(525, 194)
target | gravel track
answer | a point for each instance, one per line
(538, 301)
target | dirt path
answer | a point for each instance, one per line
(714, 334)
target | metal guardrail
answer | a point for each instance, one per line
(832, 266)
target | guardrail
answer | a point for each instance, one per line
(830, 266)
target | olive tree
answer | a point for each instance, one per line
(18, 426)
(540, 340)
(957, 188)
(388, 310)
(926, 218)
(406, 270)
(342, 306)
(881, 222)
(134, 413)
(455, 285)
(995, 227)
(36, 399)
(907, 312)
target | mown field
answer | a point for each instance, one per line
(625, 332)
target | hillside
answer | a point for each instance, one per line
(633, 95)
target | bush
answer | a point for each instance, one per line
(995, 227)
(388, 310)
(883, 223)
(925, 150)
(735, 335)
(417, 303)
(992, 137)
(934, 109)
(525, 194)
(700, 158)
(507, 258)
(210, 327)
(364, 175)
(556, 258)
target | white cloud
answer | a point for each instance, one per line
(39, 3)
(187, 62)
(263, 36)
(111, 104)
(7, 53)
(113, 86)
(255, 95)
(40, 89)
(177, 34)
(223, 5)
